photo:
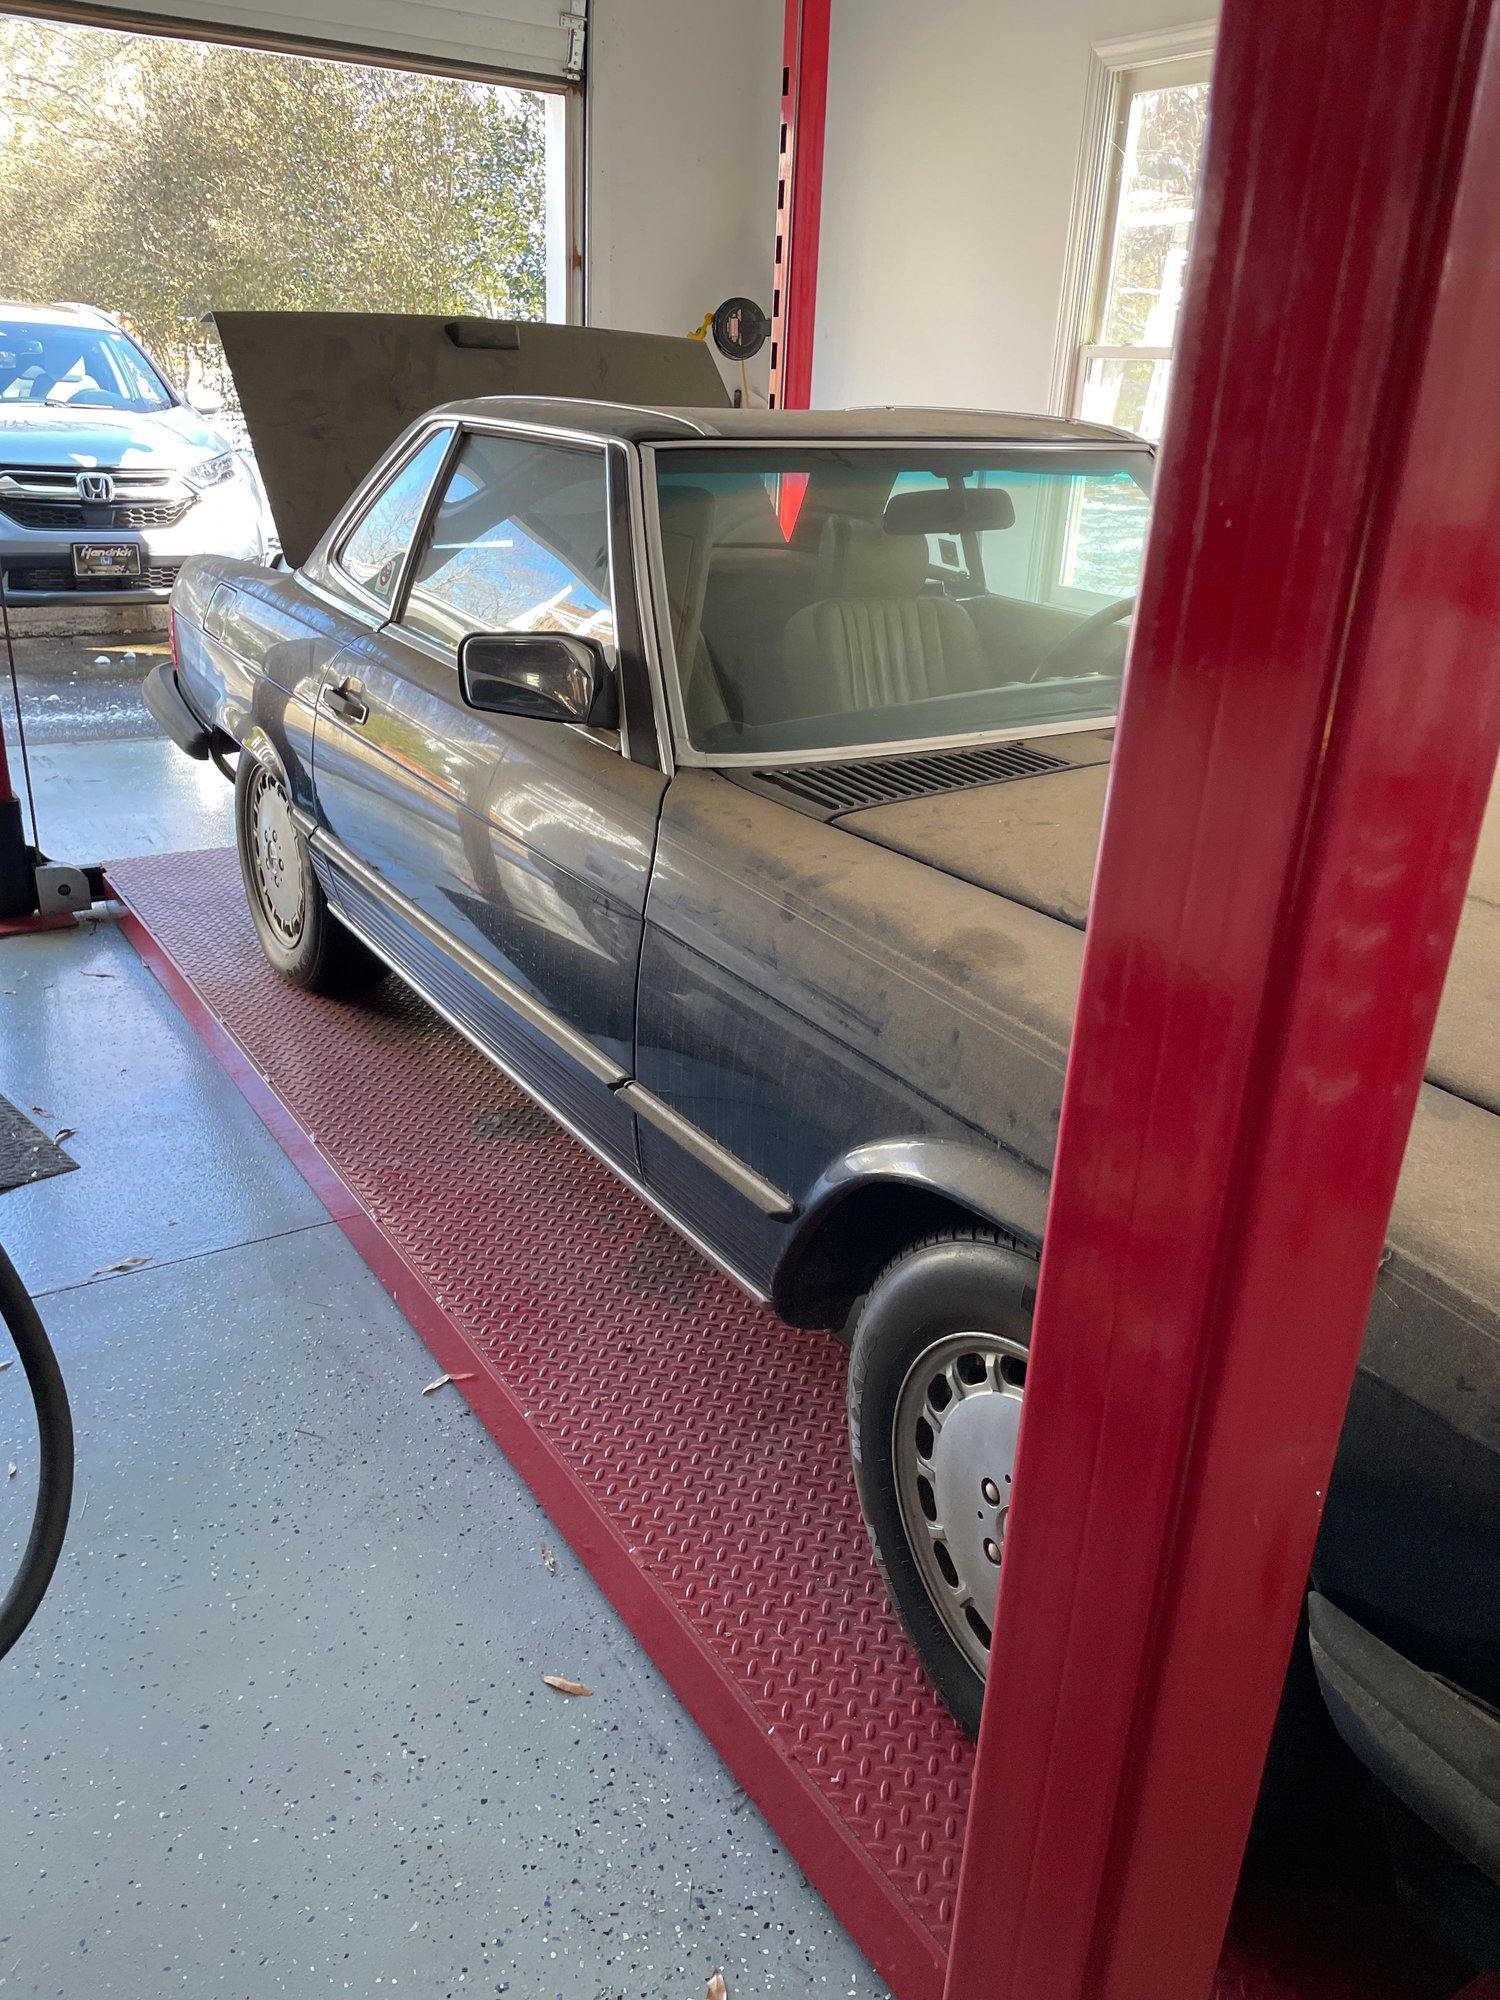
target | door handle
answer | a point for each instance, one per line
(343, 698)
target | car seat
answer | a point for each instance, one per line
(874, 638)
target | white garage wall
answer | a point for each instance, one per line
(953, 138)
(684, 115)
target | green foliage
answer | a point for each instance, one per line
(160, 179)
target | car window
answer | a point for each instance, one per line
(822, 599)
(372, 552)
(69, 362)
(518, 543)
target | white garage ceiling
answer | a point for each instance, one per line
(532, 39)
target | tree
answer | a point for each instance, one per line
(162, 179)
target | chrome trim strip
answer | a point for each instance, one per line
(645, 550)
(656, 1206)
(557, 1031)
(707, 1152)
(912, 746)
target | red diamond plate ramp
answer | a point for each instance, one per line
(731, 1543)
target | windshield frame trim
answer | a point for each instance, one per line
(685, 753)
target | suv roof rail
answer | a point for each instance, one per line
(88, 312)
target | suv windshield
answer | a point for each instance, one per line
(823, 599)
(88, 367)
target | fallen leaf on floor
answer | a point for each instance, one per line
(12, 1469)
(6, 1364)
(41, 1111)
(10, 990)
(549, 1561)
(443, 1381)
(125, 1264)
(717, 1990)
(64, 1132)
(98, 975)
(565, 1686)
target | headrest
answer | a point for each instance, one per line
(859, 559)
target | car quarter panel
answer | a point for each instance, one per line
(805, 993)
(253, 647)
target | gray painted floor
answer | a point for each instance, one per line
(280, 1727)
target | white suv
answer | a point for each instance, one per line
(109, 477)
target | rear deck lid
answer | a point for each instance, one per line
(324, 394)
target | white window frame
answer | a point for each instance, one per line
(1113, 67)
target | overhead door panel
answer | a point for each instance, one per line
(534, 39)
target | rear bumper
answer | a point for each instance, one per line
(173, 714)
(1436, 1752)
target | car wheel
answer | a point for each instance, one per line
(298, 932)
(936, 1374)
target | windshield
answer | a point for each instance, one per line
(825, 599)
(87, 367)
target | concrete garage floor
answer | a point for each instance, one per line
(107, 782)
(280, 1726)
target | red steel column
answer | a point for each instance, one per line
(1310, 726)
(799, 201)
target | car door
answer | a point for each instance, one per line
(502, 861)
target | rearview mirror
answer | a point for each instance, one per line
(550, 676)
(207, 402)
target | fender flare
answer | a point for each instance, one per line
(994, 1186)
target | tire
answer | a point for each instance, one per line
(946, 1327)
(299, 934)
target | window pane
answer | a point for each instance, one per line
(372, 554)
(1105, 544)
(925, 592)
(1129, 394)
(520, 543)
(1162, 158)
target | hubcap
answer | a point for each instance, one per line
(276, 858)
(954, 1438)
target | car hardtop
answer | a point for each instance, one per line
(634, 423)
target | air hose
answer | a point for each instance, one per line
(54, 1422)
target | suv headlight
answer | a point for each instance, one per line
(212, 471)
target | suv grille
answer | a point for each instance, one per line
(841, 788)
(57, 577)
(74, 514)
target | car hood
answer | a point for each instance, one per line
(1034, 841)
(1030, 839)
(325, 394)
(36, 437)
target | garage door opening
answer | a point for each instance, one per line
(146, 181)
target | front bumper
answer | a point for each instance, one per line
(36, 564)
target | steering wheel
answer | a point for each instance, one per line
(1062, 660)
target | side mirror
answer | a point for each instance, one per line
(207, 402)
(550, 676)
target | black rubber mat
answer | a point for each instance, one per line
(26, 1153)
